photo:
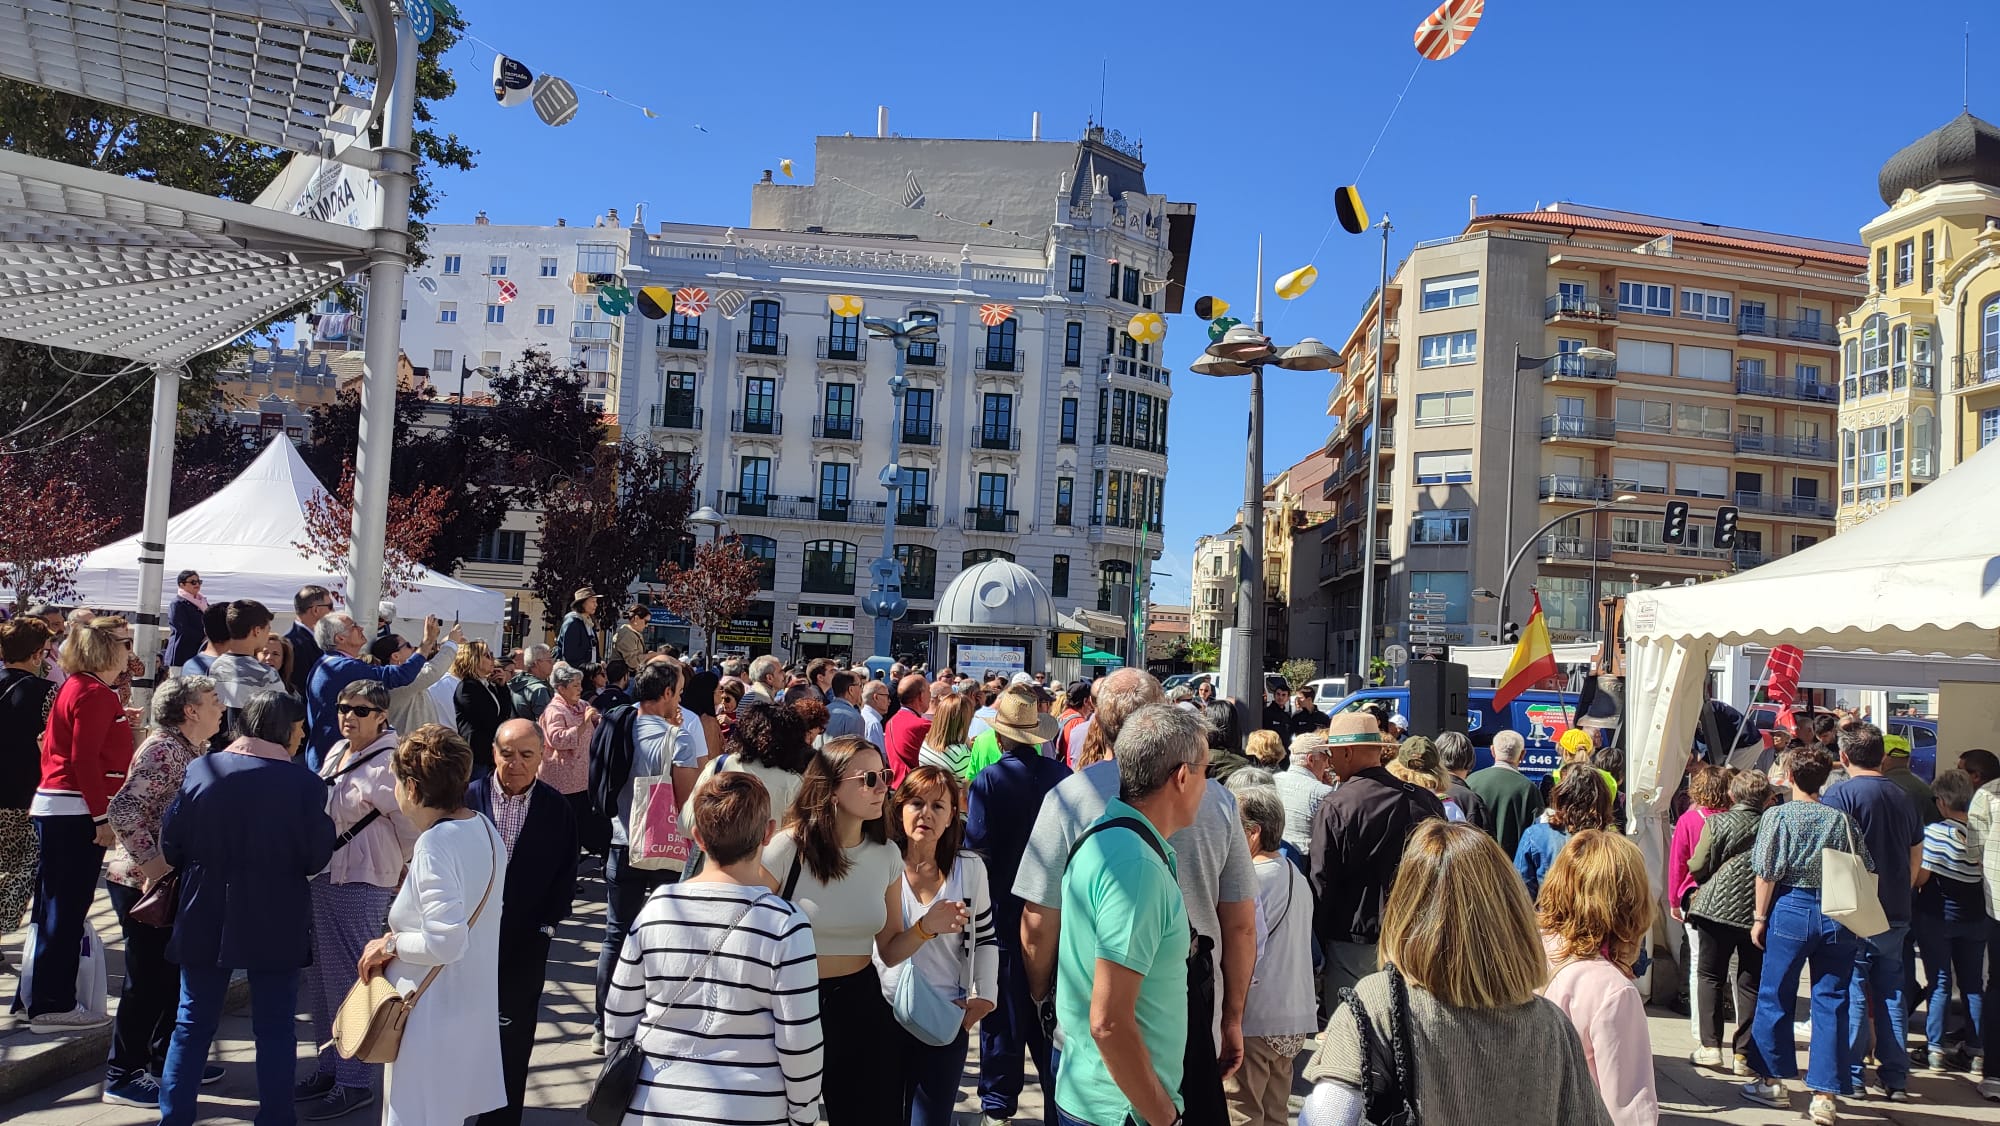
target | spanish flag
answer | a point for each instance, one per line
(1533, 662)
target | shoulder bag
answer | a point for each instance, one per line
(1849, 893)
(367, 818)
(611, 1095)
(922, 1011)
(1388, 1069)
(369, 1025)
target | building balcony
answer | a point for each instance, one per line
(1125, 365)
(1757, 383)
(838, 428)
(1787, 329)
(1647, 547)
(996, 438)
(842, 510)
(928, 354)
(690, 337)
(1564, 488)
(756, 422)
(1103, 527)
(1570, 366)
(751, 342)
(1578, 428)
(916, 514)
(996, 359)
(664, 417)
(1350, 513)
(1760, 444)
(1745, 558)
(985, 518)
(918, 434)
(1572, 549)
(1975, 369)
(1808, 508)
(1385, 496)
(827, 579)
(844, 349)
(1570, 307)
(593, 330)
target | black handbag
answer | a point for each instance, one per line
(1388, 1071)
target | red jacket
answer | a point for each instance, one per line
(88, 745)
(905, 738)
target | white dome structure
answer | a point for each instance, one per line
(996, 597)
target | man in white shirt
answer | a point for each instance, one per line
(874, 708)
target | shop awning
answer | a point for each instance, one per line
(1100, 657)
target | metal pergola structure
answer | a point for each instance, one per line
(101, 263)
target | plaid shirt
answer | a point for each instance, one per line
(510, 812)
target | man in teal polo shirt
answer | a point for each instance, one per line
(1121, 960)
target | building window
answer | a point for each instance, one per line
(1131, 288)
(836, 478)
(1906, 261)
(1930, 260)
(683, 331)
(447, 312)
(1646, 416)
(829, 567)
(1701, 481)
(1800, 543)
(1000, 355)
(598, 257)
(490, 361)
(993, 492)
(1639, 475)
(1705, 306)
(1103, 412)
(1989, 426)
(913, 501)
(753, 483)
(1444, 467)
(978, 555)
(1451, 292)
(496, 314)
(838, 420)
(1446, 526)
(1632, 533)
(1059, 577)
(1076, 269)
(549, 266)
(1644, 297)
(1444, 408)
(1645, 357)
(1448, 348)
(677, 399)
(923, 351)
(496, 266)
(764, 335)
(452, 264)
(1073, 344)
(1694, 421)
(1067, 434)
(1566, 603)
(1065, 498)
(760, 404)
(501, 547)
(441, 360)
(1711, 365)
(919, 570)
(1456, 586)
(843, 337)
(1875, 344)
(545, 314)
(996, 421)
(917, 405)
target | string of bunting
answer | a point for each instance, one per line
(555, 99)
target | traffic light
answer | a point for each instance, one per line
(1510, 633)
(1725, 527)
(1675, 529)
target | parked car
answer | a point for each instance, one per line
(1329, 691)
(1540, 717)
(1193, 681)
(1921, 731)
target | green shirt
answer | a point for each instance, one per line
(985, 752)
(1120, 903)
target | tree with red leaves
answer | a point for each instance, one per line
(715, 589)
(414, 520)
(52, 522)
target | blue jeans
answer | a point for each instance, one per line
(273, 996)
(930, 1079)
(1876, 991)
(1954, 954)
(626, 890)
(1799, 934)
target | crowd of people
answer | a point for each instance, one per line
(826, 889)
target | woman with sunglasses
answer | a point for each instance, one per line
(372, 845)
(833, 860)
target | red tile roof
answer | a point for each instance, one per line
(1575, 222)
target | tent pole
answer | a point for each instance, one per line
(1763, 682)
(149, 639)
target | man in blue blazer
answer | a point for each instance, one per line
(539, 830)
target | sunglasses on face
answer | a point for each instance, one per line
(361, 710)
(870, 779)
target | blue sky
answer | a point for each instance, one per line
(1756, 114)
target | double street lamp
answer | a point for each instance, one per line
(884, 600)
(1521, 364)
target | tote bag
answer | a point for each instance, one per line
(1848, 892)
(92, 985)
(654, 835)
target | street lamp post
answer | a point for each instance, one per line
(1521, 364)
(707, 517)
(1507, 580)
(1141, 578)
(1245, 350)
(1365, 643)
(884, 600)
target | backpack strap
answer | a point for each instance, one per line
(1137, 826)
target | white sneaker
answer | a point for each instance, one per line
(1772, 1094)
(1990, 1089)
(1706, 1057)
(1742, 1066)
(75, 1020)
(1821, 1112)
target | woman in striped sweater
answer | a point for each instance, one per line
(718, 982)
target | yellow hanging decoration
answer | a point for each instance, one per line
(844, 304)
(1295, 284)
(1147, 328)
(785, 166)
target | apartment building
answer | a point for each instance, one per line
(1213, 587)
(1499, 436)
(1933, 292)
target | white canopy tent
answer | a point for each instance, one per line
(242, 541)
(1922, 576)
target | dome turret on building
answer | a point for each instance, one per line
(1964, 149)
(997, 596)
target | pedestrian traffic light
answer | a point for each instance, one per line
(1510, 633)
(1725, 526)
(1675, 529)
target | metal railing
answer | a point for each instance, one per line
(983, 518)
(845, 510)
(842, 348)
(1774, 387)
(1582, 307)
(1778, 445)
(996, 359)
(1572, 549)
(756, 422)
(1556, 427)
(929, 354)
(840, 427)
(1572, 366)
(1385, 494)
(1557, 486)
(680, 336)
(996, 438)
(667, 419)
(1125, 365)
(1814, 508)
(915, 514)
(917, 434)
(753, 343)
(1975, 369)
(1786, 328)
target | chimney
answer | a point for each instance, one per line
(562, 222)
(1474, 206)
(881, 121)
(767, 177)
(479, 220)
(614, 216)
(1035, 129)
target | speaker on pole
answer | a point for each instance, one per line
(1438, 697)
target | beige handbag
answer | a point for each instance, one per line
(369, 1024)
(1849, 893)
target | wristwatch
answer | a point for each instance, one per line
(389, 944)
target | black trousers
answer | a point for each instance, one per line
(65, 883)
(1718, 942)
(1201, 1073)
(524, 967)
(863, 1084)
(146, 1005)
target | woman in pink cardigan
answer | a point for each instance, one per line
(1708, 795)
(567, 725)
(1595, 910)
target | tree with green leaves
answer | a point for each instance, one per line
(1204, 654)
(606, 527)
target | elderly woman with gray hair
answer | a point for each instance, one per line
(1280, 1012)
(567, 725)
(187, 713)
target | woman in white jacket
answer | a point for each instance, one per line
(924, 822)
(350, 900)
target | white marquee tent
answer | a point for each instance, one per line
(242, 541)
(1922, 576)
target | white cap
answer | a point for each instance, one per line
(1400, 720)
(1020, 678)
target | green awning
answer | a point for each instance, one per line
(1100, 657)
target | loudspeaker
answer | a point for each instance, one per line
(1438, 697)
(1601, 705)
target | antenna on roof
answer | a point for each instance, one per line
(1103, 77)
(1966, 68)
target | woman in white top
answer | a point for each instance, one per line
(924, 820)
(768, 743)
(445, 918)
(1280, 1012)
(834, 861)
(717, 982)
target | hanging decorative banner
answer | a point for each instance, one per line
(1209, 308)
(785, 166)
(730, 302)
(1295, 284)
(1348, 208)
(445, 8)
(555, 100)
(993, 316)
(1220, 326)
(655, 302)
(508, 291)
(691, 300)
(1147, 328)
(1445, 30)
(513, 82)
(423, 21)
(1150, 284)
(614, 300)
(844, 304)
(428, 285)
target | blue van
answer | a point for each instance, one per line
(1540, 717)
